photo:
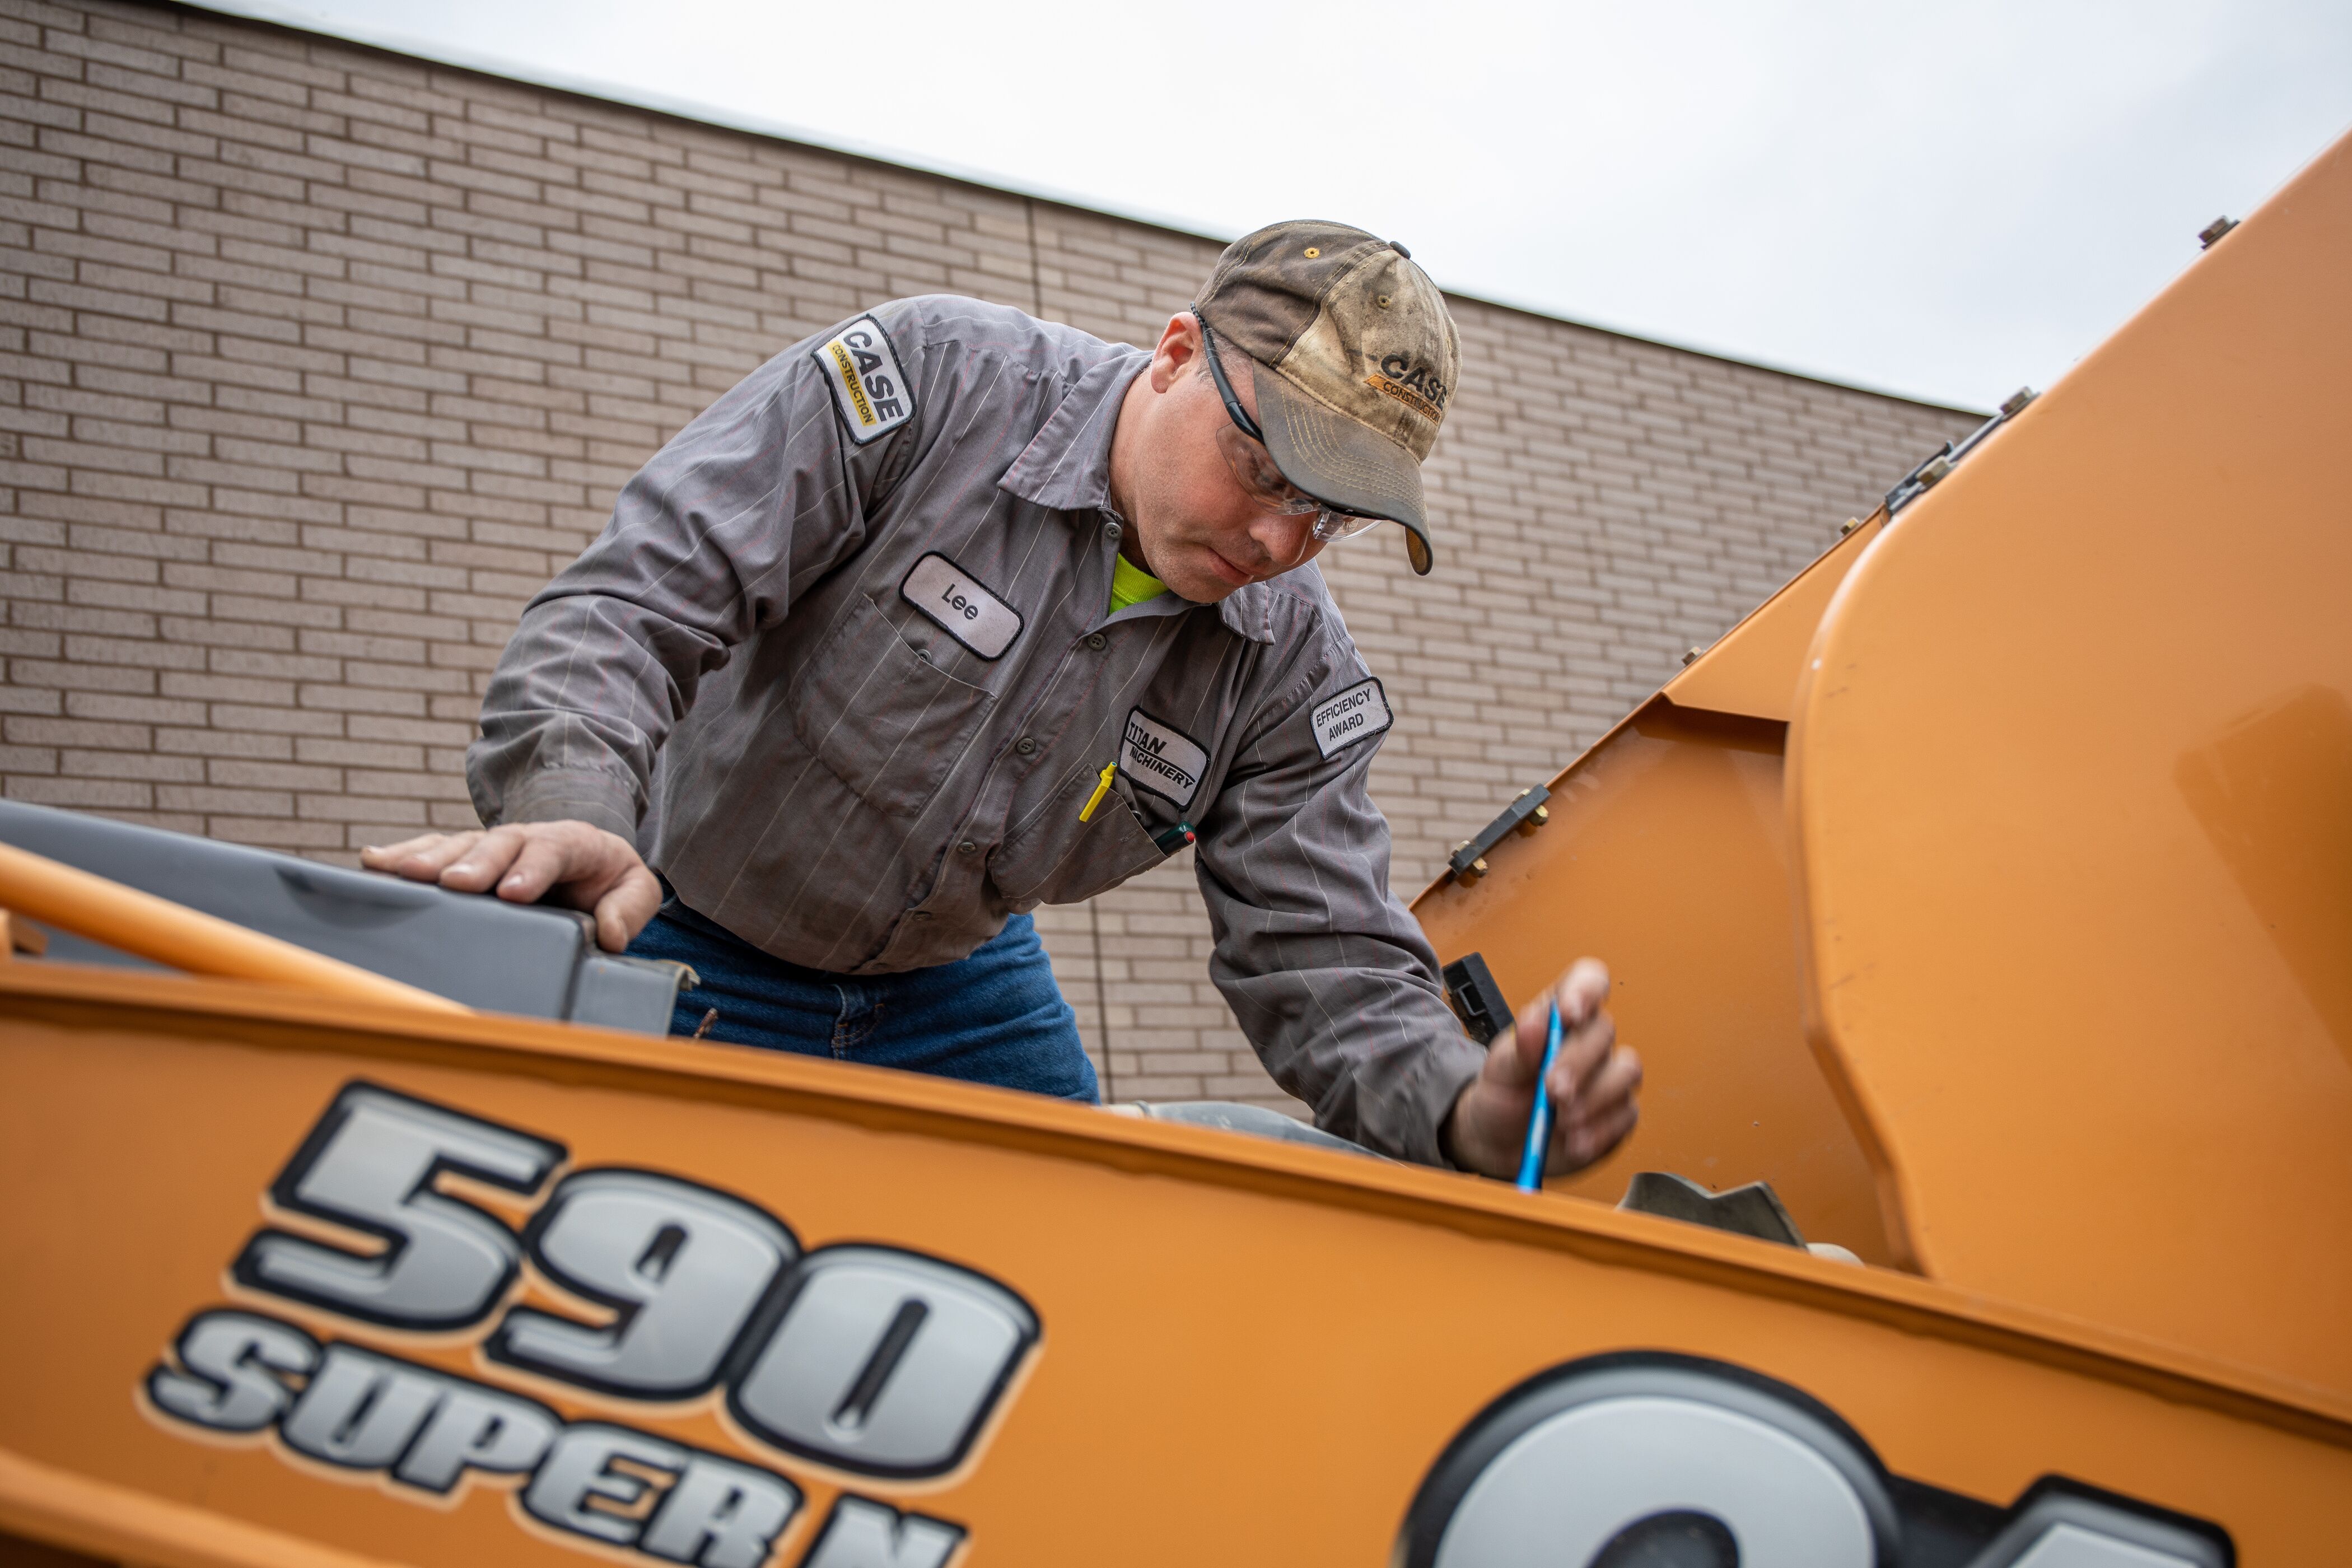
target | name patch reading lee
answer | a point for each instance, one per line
(1163, 759)
(1355, 714)
(872, 392)
(968, 611)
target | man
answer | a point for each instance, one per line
(948, 613)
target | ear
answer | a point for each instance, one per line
(1179, 352)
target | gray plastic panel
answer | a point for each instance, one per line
(63, 947)
(622, 993)
(1254, 1120)
(502, 957)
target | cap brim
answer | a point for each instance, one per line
(1334, 459)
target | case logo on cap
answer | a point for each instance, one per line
(871, 392)
(968, 611)
(1162, 759)
(1357, 714)
(1416, 386)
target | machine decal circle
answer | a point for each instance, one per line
(1567, 1469)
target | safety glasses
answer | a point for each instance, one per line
(1244, 445)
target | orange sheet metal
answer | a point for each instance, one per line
(1242, 1351)
(1666, 856)
(1754, 668)
(2071, 784)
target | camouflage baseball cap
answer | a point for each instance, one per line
(1353, 357)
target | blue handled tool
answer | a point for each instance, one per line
(1531, 1163)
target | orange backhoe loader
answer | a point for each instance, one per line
(1982, 905)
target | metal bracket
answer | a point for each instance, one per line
(1753, 1210)
(1945, 458)
(1526, 813)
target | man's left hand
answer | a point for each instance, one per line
(1593, 1085)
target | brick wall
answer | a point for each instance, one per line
(316, 362)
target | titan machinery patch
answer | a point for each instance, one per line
(861, 1358)
(1162, 758)
(872, 394)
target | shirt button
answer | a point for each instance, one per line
(967, 847)
(1098, 642)
(1024, 745)
(1111, 531)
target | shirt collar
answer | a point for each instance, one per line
(1248, 610)
(1066, 465)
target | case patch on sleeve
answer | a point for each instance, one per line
(1162, 758)
(868, 388)
(966, 611)
(1357, 714)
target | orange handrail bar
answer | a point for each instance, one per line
(164, 932)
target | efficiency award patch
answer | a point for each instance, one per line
(1357, 714)
(871, 392)
(1162, 759)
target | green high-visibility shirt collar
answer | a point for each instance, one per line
(1131, 585)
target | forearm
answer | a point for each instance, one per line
(510, 784)
(1375, 1052)
(1327, 973)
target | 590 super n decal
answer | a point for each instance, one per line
(866, 1359)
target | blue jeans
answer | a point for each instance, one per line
(994, 1018)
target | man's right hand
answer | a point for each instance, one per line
(569, 863)
(1593, 1085)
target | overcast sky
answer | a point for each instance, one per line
(1946, 200)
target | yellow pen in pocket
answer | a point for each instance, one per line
(1102, 788)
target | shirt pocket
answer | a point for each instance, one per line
(881, 716)
(1054, 859)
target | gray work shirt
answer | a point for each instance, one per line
(854, 695)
